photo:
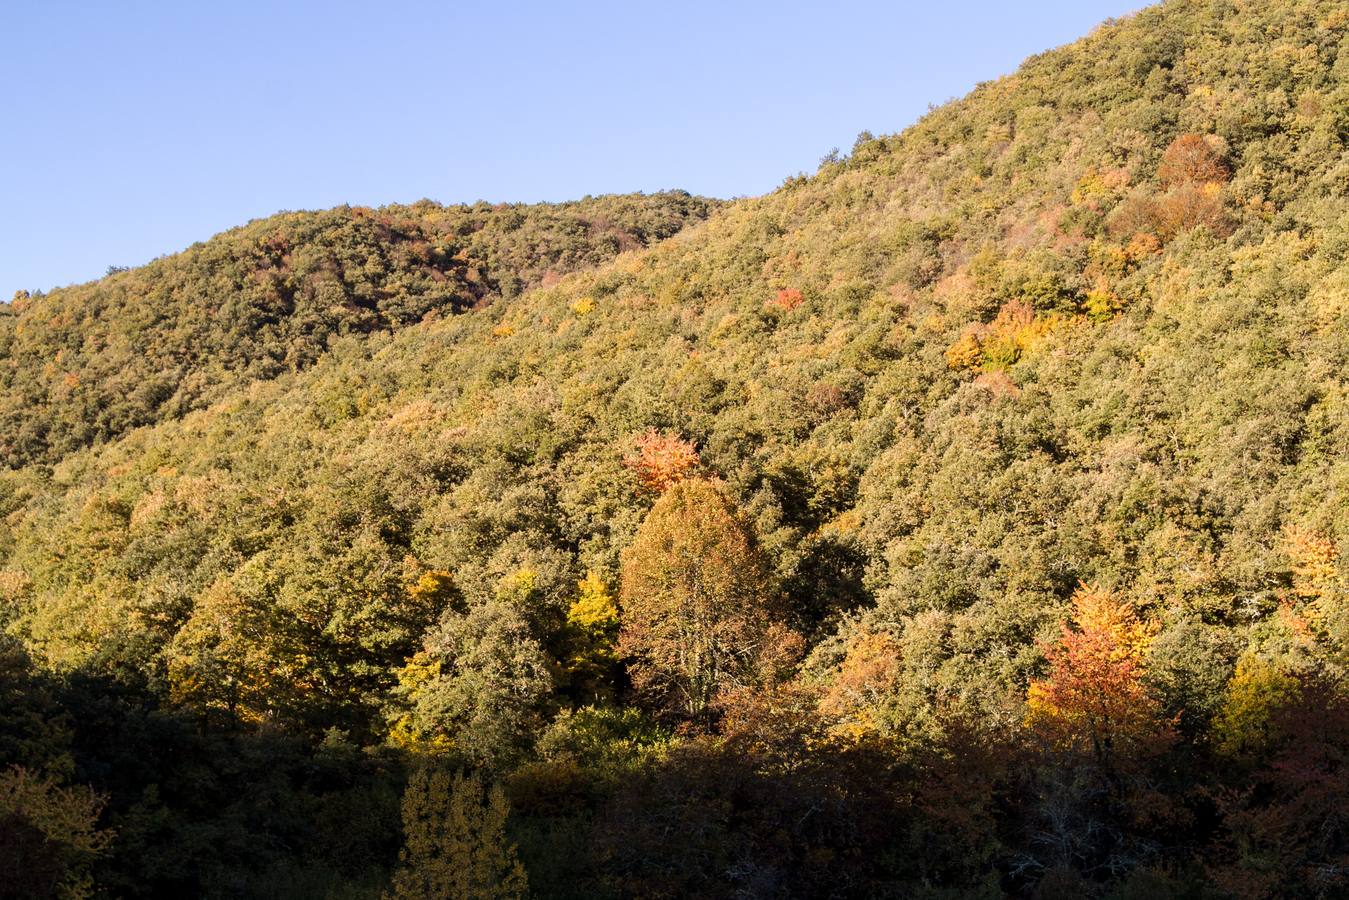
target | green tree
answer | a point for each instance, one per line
(479, 687)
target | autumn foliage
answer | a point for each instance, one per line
(661, 459)
(1094, 698)
(1193, 176)
(1315, 568)
(697, 602)
(590, 636)
(999, 344)
(868, 674)
(1255, 692)
(1191, 159)
(334, 496)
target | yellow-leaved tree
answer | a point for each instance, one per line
(1258, 688)
(237, 654)
(454, 841)
(590, 638)
(49, 837)
(1317, 585)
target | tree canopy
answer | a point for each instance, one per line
(965, 518)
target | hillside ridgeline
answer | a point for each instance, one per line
(965, 519)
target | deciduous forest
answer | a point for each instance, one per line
(966, 519)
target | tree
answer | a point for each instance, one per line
(662, 459)
(477, 689)
(1192, 173)
(867, 676)
(236, 654)
(589, 638)
(1095, 807)
(1317, 585)
(454, 841)
(999, 344)
(1095, 698)
(1191, 205)
(35, 731)
(48, 837)
(697, 600)
(1191, 159)
(1257, 689)
(1288, 825)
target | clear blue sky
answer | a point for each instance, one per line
(135, 128)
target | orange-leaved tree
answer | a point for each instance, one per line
(661, 459)
(1098, 807)
(1192, 158)
(1317, 586)
(1094, 698)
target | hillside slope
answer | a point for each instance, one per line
(86, 363)
(1072, 348)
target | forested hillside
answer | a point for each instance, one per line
(965, 519)
(85, 364)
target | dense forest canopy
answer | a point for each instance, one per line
(965, 519)
(87, 363)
